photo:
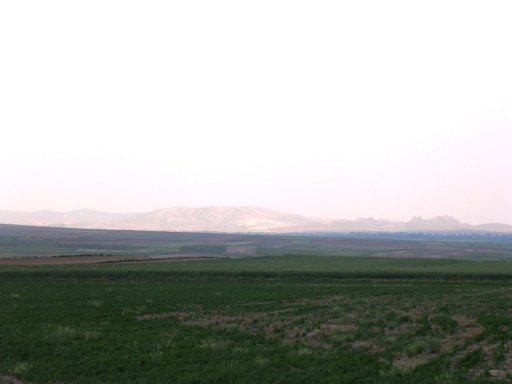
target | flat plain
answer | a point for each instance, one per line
(292, 318)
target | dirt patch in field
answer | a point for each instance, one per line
(56, 260)
(7, 379)
(272, 324)
(408, 335)
(62, 260)
(291, 324)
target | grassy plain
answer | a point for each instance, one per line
(191, 322)
(206, 330)
(347, 314)
(286, 266)
(23, 241)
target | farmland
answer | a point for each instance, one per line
(31, 242)
(292, 318)
(203, 329)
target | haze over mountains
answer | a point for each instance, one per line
(233, 219)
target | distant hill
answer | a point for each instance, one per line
(234, 219)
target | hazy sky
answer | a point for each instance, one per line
(326, 108)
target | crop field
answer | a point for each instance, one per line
(25, 242)
(121, 327)
(359, 316)
(278, 266)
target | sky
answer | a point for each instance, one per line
(339, 109)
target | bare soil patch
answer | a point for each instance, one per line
(95, 259)
(7, 379)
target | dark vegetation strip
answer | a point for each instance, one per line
(116, 275)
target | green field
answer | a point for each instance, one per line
(437, 312)
(212, 322)
(286, 266)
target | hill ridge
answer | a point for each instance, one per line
(234, 219)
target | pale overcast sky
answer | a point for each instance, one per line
(326, 108)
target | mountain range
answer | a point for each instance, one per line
(234, 219)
